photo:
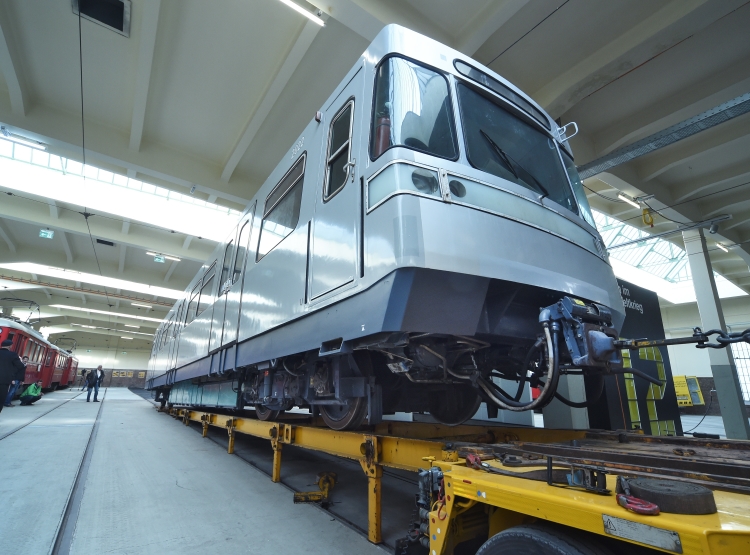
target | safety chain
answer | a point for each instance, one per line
(723, 338)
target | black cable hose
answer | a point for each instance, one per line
(526, 363)
(584, 404)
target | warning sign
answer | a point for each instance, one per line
(642, 533)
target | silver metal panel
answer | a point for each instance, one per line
(274, 289)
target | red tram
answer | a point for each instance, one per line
(47, 362)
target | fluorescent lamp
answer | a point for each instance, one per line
(150, 253)
(141, 305)
(21, 140)
(722, 247)
(299, 9)
(112, 329)
(628, 200)
(94, 279)
(106, 313)
(123, 337)
(129, 326)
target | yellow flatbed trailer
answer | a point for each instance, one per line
(508, 490)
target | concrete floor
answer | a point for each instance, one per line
(147, 486)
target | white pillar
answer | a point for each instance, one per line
(560, 416)
(723, 369)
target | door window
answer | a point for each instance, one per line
(193, 305)
(226, 265)
(242, 244)
(339, 160)
(206, 296)
(282, 209)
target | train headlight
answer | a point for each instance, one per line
(400, 177)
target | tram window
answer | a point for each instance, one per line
(575, 181)
(339, 151)
(412, 109)
(27, 347)
(225, 267)
(206, 297)
(193, 305)
(242, 246)
(280, 218)
(502, 144)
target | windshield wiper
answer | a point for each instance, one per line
(512, 164)
(500, 153)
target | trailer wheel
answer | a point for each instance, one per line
(345, 417)
(455, 405)
(536, 539)
(266, 414)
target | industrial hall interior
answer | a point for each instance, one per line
(416, 277)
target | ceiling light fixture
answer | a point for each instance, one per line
(628, 200)
(141, 305)
(299, 9)
(130, 326)
(18, 139)
(123, 337)
(168, 257)
(722, 247)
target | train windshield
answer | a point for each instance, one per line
(502, 144)
(412, 109)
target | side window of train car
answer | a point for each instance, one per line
(206, 297)
(339, 162)
(49, 358)
(281, 213)
(226, 270)
(193, 304)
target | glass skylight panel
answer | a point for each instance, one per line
(214, 225)
(654, 263)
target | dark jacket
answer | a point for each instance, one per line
(11, 366)
(92, 379)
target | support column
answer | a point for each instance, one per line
(374, 490)
(560, 416)
(724, 371)
(276, 472)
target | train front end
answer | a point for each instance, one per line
(474, 206)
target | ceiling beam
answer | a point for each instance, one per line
(20, 209)
(271, 95)
(720, 179)
(664, 29)
(485, 24)
(720, 87)
(125, 226)
(54, 213)
(705, 145)
(5, 234)
(66, 246)
(149, 27)
(186, 242)
(171, 269)
(123, 253)
(10, 64)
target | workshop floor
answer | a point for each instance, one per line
(146, 485)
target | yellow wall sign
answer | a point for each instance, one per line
(115, 374)
(688, 391)
(141, 374)
(130, 374)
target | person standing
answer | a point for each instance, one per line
(10, 366)
(17, 383)
(83, 379)
(94, 380)
(32, 394)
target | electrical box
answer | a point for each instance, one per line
(688, 391)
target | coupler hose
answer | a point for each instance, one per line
(550, 385)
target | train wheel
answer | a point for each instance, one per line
(266, 414)
(455, 405)
(542, 540)
(345, 417)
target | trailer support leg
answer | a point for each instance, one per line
(374, 489)
(230, 431)
(276, 472)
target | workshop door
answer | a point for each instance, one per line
(333, 256)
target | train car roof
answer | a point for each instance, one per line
(14, 324)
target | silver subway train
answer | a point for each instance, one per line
(398, 257)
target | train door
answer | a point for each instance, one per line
(234, 293)
(333, 256)
(220, 305)
(176, 329)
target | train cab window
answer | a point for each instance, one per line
(206, 297)
(575, 181)
(193, 305)
(339, 151)
(413, 109)
(226, 270)
(281, 213)
(501, 143)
